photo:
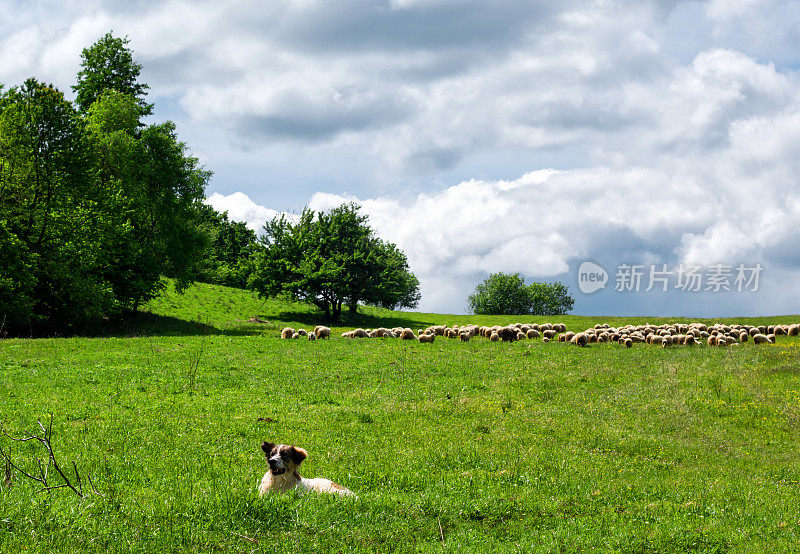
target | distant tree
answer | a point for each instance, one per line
(550, 299)
(108, 64)
(507, 294)
(330, 260)
(228, 260)
(501, 293)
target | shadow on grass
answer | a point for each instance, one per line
(141, 324)
(365, 321)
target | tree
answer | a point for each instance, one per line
(550, 299)
(506, 294)
(501, 293)
(154, 193)
(48, 207)
(332, 259)
(108, 65)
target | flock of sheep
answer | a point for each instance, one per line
(665, 335)
(675, 334)
(319, 332)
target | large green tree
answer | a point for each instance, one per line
(508, 294)
(49, 209)
(331, 259)
(155, 191)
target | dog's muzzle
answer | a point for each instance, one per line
(276, 467)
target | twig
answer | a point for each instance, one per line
(441, 533)
(46, 441)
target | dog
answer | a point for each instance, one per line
(282, 476)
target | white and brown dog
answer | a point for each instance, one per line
(282, 476)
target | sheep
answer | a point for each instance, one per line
(408, 334)
(628, 343)
(425, 338)
(521, 335)
(549, 333)
(494, 337)
(296, 336)
(312, 336)
(533, 334)
(507, 334)
(464, 336)
(794, 330)
(758, 338)
(545, 339)
(581, 339)
(287, 333)
(358, 334)
(743, 336)
(302, 332)
(771, 338)
(322, 332)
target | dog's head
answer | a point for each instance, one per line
(283, 457)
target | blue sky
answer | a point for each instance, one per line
(483, 136)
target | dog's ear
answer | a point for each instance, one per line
(267, 448)
(298, 455)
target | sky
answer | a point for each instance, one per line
(611, 145)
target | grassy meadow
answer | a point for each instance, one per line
(450, 446)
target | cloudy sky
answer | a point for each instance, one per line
(512, 135)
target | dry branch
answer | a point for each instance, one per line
(45, 439)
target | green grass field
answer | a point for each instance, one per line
(450, 446)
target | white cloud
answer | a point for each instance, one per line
(241, 208)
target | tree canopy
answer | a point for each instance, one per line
(507, 294)
(108, 64)
(330, 260)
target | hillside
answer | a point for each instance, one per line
(451, 446)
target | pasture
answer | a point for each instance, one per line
(450, 446)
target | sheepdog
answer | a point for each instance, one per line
(282, 476)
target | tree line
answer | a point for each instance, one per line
(97, 207)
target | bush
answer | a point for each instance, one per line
(507, 294)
